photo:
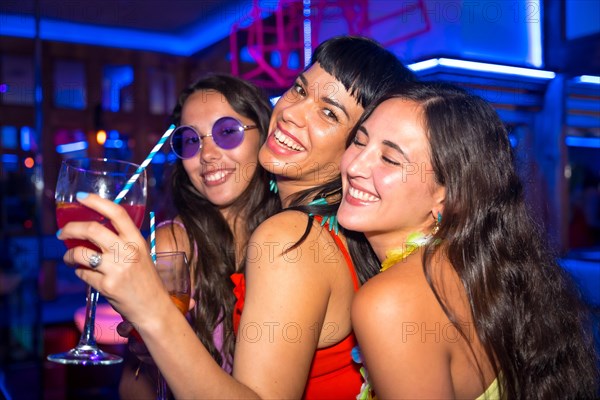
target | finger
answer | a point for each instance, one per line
(80, 256)
(94, 232)
(89, 276)
(117, 215)
(124, 329)
(192, 304)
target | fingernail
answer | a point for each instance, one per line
(81, 195)
(58, 232)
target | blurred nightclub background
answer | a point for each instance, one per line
(100, 77)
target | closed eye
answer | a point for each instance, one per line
(361, 138)
(390, 161)
(357, 142)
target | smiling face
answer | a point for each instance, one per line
(308, 131)
(221, 176)
(389, 188)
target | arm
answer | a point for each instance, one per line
(286, 301)
(138, 379)
(278, 291)
(400, 330)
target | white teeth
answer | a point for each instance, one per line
(214, 176)
(282, 139)
(360, 195)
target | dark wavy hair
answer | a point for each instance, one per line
(207, 228)
(527, 314)
(368, 71)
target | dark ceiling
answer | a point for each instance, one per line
(186, 27)
(171, 16)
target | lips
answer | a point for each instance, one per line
(287, 141)
(216, 177)
(356, 195)
(284, 143)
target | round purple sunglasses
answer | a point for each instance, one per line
(227, 132)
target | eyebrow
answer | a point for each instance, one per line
(335, 103)
(395, 147)
(303, 79)
(326, 99)
(386, 143)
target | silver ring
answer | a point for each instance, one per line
(95, 260)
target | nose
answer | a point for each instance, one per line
(209, 151)
(294, 110)
(358, 164)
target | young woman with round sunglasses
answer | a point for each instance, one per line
(294, 337)
(470, 302)
(220, 194)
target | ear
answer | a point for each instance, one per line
(439, 196)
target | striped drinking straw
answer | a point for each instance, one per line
(152, 238)
(143, 166)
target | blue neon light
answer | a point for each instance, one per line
(113, 143)
(423, 65)
(275, 59)
(534, 35)
(8, 135)
(71, 147)
(25, 138)
(274, 100)
(483, 67)
(245, 55)
(210, 30)
(159, 158)
(307, 32)
(171, 157)
(117, 77)
(589, 142)
(293, 60)
(595, 80)
(10, 158)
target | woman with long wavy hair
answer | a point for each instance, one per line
(220, 195)
(470, 301)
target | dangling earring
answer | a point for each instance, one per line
(436, 227)
(273, 185)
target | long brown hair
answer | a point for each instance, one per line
(527, 314)
(206, 227)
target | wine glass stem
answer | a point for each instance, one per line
(87, 335)
(161, 388)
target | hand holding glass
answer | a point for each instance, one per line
(105, 178)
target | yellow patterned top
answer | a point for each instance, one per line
(492, 392)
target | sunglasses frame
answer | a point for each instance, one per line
(201, 137)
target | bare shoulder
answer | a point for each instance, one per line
(395, 296)
(172, 237)
(396, 313)
(284, 225)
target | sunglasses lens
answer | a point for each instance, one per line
(228, 133)
(185, 142)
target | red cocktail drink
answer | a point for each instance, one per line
(70, 212)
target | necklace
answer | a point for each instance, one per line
(394, 256)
